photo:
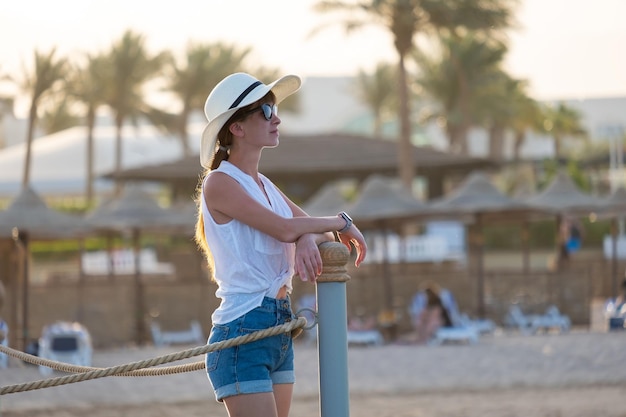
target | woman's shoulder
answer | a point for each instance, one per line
(217, 182)
(224, 171)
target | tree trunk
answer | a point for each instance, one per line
(557, 147)
(455, 139)
(405, 150)
(32, 117)
(118, 153)
(463, 105)
(496, 143)
(91, 122)
(520, 136)
(183, 135)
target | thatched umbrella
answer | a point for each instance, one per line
(564, 197)
(383, 204)
(328, 201)
(479, 198)
(30, 214)
(384, 199)
(28, 217)
(185, 211)
(614, 207)
(136, 211)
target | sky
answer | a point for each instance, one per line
(565, 49)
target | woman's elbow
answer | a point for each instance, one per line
(287, 234)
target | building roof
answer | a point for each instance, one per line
(309, 161)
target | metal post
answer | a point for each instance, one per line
(332, 331)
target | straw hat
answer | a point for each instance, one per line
(232, 93)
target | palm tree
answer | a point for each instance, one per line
(405, 19)
(376, 91)
(528, 117)
(130, 68)
(87, 85)
(562, 121)
(498, 109)
(47, 74)
(461, 73)
(203, 67)
(58, 116)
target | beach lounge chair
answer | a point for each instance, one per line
(365, 337)
(483, 326)
(364, 330)
(532, 323)
(553, 320)
(164, 338)
(615, 314)
(65, 342)
(457, 334)
(462, 329)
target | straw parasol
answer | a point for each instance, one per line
(28, 217)
(29, 214)
(384, 201)
(479, 198)
(185, 214)
(136, 211)
(615, 203)
(564, 197)
(382, 204)
(328, 201)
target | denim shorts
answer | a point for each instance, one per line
(255, 366)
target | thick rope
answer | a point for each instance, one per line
(85, 373)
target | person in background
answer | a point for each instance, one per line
(255, 239)
(432, 307)
(620, 300)
(570, 238)
(574, 236)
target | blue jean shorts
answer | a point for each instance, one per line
(255, 366)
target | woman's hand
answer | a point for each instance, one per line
(308, 263)
(353, 235)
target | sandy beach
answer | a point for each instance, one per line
(581, 373)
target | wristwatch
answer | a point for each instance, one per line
(348, 220)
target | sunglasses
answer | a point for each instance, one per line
(268, 110)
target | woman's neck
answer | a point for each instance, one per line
(247, 163)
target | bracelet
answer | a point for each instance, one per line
(348, 220)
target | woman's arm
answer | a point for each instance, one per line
(227, 200)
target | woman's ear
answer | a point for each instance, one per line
(236, 129)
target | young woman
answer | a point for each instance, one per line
(256, 239)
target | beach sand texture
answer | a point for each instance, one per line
(581, 373)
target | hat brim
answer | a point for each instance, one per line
(282, 88)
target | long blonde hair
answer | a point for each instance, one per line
(224, 142)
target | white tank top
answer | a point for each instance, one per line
(249, 264)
